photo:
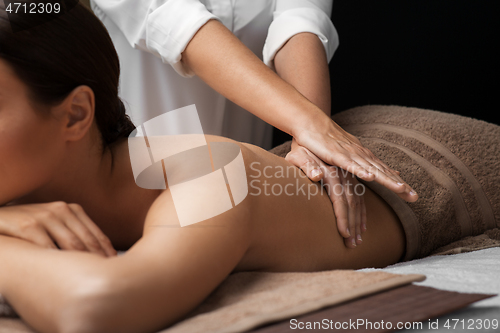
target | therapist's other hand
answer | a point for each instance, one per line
(343, 189)
(56, 222)
(336, 147)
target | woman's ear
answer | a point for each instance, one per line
(78, 112)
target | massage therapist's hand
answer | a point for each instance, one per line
(341, 186)
(57, 222)
(333, 145)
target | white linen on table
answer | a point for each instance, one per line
(472, 272)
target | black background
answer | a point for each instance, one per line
(434, 54)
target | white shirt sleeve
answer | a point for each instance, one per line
(161, 27)
(295, 16)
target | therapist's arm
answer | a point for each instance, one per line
(220, 59)
(302, 63)
(230, 68)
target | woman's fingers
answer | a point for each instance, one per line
(67, 225)
(65, 238)
(82, 233)
(92, 234)
(32, 231)
(48, 224)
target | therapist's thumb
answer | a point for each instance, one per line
(299, 157)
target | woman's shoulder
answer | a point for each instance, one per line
(198, 183)
(242, 145)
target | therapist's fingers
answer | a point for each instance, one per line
(339, 148)
(363, 212)
(306, 161)
(351, 191)
(334, 188)
(356, 198)
(342, 187)
(351, 206)
(376, 170)
(348, 204)
(374, 165)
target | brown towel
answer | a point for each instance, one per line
(247, 300)
(453, 162)
(490, 238)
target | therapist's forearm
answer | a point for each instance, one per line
(302, 63)
(229, 67)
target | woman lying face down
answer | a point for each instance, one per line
(56, 158)
(67, 178)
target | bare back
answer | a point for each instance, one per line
(294, 226)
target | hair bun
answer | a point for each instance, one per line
(121, 127)
(124, 125)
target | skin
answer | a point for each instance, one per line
(296, 99)
(302, 63)
(168, 270)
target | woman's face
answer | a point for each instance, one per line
(31, 146)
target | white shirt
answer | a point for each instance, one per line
(150, 35)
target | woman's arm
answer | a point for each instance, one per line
(40, 283)
(162, 277)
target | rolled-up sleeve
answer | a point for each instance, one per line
(161, 27)
(295, 16)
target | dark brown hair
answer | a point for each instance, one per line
(54, 54)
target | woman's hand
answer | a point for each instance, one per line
(57, 222)
(343, 189)
(330, 143)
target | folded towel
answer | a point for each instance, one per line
(250, 299)
(490, 238)
(453, 163)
